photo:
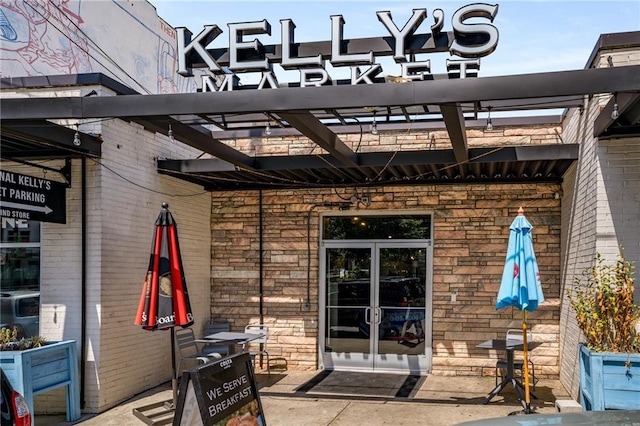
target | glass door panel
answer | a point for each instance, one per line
(401, 300)
(348, 305)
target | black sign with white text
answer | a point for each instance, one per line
(220, 393)
(32, 198)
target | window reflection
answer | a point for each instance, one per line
(376, 227)
(20, 276)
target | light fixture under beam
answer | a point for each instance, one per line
(615, 113)
(374, 125)
(489, 124)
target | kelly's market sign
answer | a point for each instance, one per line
(473, 37)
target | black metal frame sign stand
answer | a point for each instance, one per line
(211, 394)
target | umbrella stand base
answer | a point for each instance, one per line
(517, 386)
(155, 414)
(174, 389)
(526, 410)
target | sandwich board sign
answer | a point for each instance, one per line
(220, 393)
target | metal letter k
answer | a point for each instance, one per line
(185, 45)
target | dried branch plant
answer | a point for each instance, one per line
(604, 306)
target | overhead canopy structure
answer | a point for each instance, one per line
(324, 114)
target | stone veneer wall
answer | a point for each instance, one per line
(404, 140)
(470, 238)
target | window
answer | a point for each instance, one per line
(20, 276)
(377, 227)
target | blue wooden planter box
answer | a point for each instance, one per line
(39, 370)
(608, 382)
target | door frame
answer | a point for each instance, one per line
(414, 364)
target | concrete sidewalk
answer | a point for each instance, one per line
(364, 400)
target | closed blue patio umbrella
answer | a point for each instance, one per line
(520, 286)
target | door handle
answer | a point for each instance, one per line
(378, 315)
(367, 315)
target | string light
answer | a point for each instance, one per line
(267, 130)
(374, 125)
(615, 113)
(489, 124)
(76, 138)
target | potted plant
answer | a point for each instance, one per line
(608, 318)
(11, 340)
(35, 366)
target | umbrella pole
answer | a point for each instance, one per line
(527, 397)
(174, 378)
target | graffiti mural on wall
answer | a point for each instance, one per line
(41, 38)
(124, 40)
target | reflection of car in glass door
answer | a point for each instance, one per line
(399, 321)
(394, 291)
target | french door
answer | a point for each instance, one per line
(376, 306)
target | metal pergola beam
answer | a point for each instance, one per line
(312, 128)
(50, 135)
(381, 159)
(202, 165)
(543, 163)
(197, 137)
(437, 92)
(628, 105)
(454, 120)
(322, 113)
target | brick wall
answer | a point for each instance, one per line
(122, 213)
(124, 197)
(470, 239)
(601, 207)
(123, 210)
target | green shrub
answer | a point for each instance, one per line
(604, 306)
